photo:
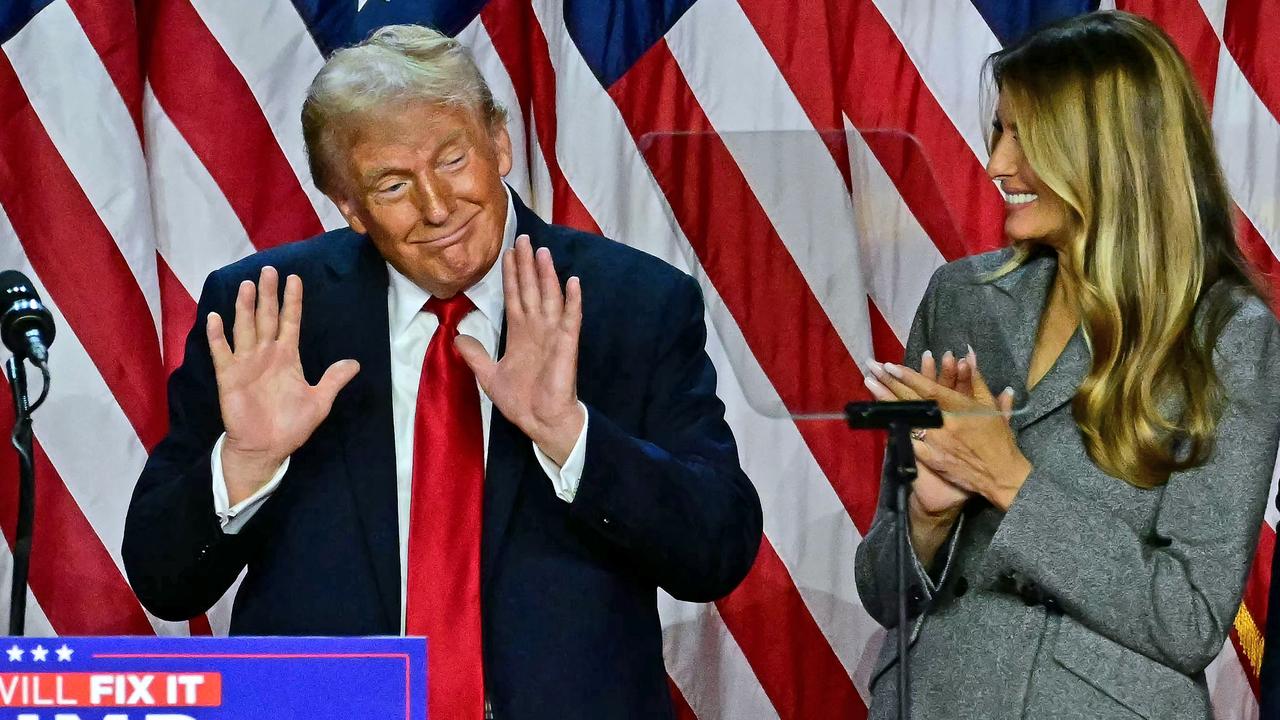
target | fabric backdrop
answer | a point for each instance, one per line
(144, 144)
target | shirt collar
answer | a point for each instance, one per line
(407, 299)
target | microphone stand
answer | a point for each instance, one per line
(899, 418)
(15, 372)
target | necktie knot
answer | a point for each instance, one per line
(450, 311)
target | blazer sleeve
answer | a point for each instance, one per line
(875, 561)
(177, 558)
(675, 501)
(1171, 594)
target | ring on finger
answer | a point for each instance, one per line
(918, 434)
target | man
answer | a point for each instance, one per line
(523, 526)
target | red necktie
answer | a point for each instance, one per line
(443, 593)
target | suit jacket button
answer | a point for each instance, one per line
(915, 601)
(1051, 604)
(961, 587)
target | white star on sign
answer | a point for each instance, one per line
(64, 653)
(15, 653)
(39, 653)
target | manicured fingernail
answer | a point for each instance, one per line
(874, 366)
(1008, 390)
(972, 354)
(893, 370)
(926, 355)
(947, 355)
(872, 384)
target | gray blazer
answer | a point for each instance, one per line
(1090, 598)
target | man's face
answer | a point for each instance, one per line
(424, 182)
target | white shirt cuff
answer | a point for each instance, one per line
(232, 518)
(565, 480)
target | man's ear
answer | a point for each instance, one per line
(502, 147)
(350, 212)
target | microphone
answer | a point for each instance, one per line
(26, 326)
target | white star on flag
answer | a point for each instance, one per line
(15, 653)
(39, 653)
(64, 653)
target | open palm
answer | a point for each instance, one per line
(268, 408)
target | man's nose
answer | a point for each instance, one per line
(435, 200)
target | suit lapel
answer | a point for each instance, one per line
(510, 450)
(354, 309)
(1020, 302)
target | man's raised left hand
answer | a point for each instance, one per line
(534, 384)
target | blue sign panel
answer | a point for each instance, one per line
(148, 678)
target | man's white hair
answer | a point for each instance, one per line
(397, 64)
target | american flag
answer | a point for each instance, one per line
(143, 144)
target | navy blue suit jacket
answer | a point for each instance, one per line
(570, 623)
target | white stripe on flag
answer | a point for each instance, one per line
(196, 229)
(270, 45)
(707, 665)
(947, 41)
(86, 436)
(789, 169)
(89, 124)
(476, 37)
(36, 623)
(1249, 145)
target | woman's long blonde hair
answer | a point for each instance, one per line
(1110, 118)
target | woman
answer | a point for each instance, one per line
(1084, 555)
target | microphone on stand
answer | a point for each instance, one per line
(26, 328)
(26, 325)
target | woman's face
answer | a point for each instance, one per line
(1033, 212)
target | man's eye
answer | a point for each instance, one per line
(456, 160)
(392, 188)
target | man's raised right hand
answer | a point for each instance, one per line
(268, 407)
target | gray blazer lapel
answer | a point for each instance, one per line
(1026, 290)
(1017, 303)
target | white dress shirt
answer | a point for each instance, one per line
(411, 331)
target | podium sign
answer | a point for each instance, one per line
(150, 678)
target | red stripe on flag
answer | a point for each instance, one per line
(1256, 587)
(74, 254)
(72, 575)
(1191, 32)
(522, 47)
(884, 340)
(111, 26)
(177, 315)
(681, 705)
(843, 57)
(215, 111)
(795, 664)
(740, 250)
(802, 354)
(1254, 48)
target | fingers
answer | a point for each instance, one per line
(511, 287)
(291, 313)
(964, 378)
(219, 350)
(981, 392)
(243, 333)
(336, 378)
(928, 366)
(890, 382)
(878, 391)
(476, 358)
(947, 370)
(267, 315)
(549, 284)
(571, 321)
(1005, 402)
(918, 385)
(527, 276)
